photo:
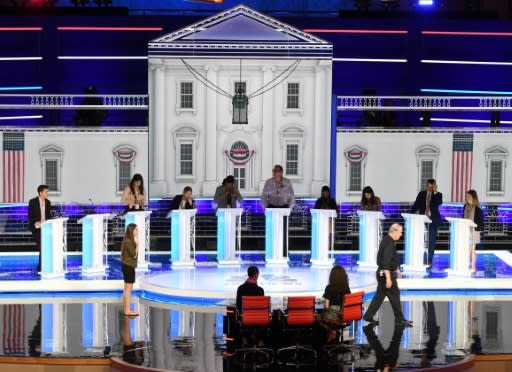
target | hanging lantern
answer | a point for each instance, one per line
(240, 104)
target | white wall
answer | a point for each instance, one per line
(88, 164)
(391, 164)
(267, 117)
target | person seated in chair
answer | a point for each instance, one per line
(333, 300)
(249, 288)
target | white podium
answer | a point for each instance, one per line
(94, 243)
(370, 235)
(228, 235)
(274, 236)
(53, 247)
(460, 246)
(414, 259)
(141, 219)
(94, 326)
(182, 237)
(322, 236)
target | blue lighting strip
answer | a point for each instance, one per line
(462, 91)
(35, 87)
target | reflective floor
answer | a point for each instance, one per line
(179, 337)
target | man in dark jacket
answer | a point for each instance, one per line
(38, 212)
(183, 201)
(325, 201)
(428, 203)
(250, 287)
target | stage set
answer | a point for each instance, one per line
(235, 94)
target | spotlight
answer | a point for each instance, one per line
(425, 2)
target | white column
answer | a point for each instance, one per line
(267, 125)
(319, 151)
(211, 134)
(157, 101)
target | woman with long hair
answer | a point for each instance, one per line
(129, 254)
(370, 202)
(333, 299)
(473, 212)
(133, 195)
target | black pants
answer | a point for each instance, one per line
(432, 240)
(393, 295)
(36, 235)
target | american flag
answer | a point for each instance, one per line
(462, 165)
(14, 330)
(13, 167)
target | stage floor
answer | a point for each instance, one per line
(208, 284)
(184, 337)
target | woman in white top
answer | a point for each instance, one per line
(133, 194)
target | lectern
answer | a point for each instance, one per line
(141, 219)
(275, 229)
(414, 259)
(460, 246)
(322, 236)
(182, 237)
(370, 233)
(94, 243)
(94, 326)
(53, 247)
(228, 236)
(54, 328)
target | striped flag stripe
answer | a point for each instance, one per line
(13, 167)
(462, 164)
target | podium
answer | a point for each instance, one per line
(228, 235)
(182, 237)
(94, 243)
(141, 219)
(94, 326)
(460, 246)
(53, 247)
(370, 233)
(274, 236)
(322, 236)
(414, 259)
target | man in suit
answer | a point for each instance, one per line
(428, 203)
(38, 212)
(183, 201)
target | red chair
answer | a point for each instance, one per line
(299, 315)
(256, 311)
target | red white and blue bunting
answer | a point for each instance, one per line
(125, 155)
(239, 154)
(355, 155)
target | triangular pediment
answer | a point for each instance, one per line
(240, 25)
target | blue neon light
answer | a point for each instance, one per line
(314, 236)
(462, 91)
(88, 324)
(36, 87)
(87, 243)
(425, 2)
(221, 228)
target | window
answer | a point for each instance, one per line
(292, 145)
(355, 177)
(496, 159)
(240, 178)
(51, 164)
(186, 95)
(125, 175)
(496, 176)
(185, 144)
(292, 97)
(427, 171)
(355, 162)
(124, 157)
(51, 174)
(186, 159)
(292, 159)
(426, 160)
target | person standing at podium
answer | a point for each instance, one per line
(133, 195)
(278, 191)
(387, 273)
(473, 212)
(38, 212)
(226, 196)
(183, 201)
(428, 202)
(370, 202)
(325, 201)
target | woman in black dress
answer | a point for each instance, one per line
(129, 254)
(333, 299)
